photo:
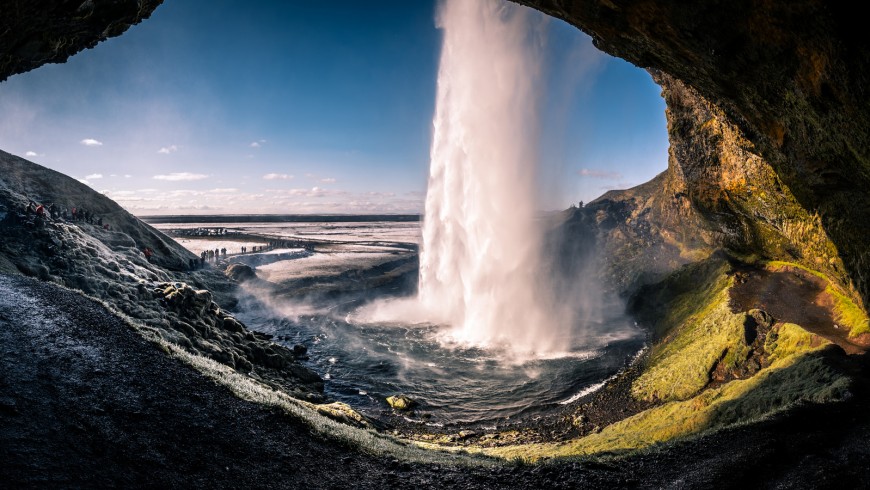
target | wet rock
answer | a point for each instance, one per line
(401, 402)
(465, 434)
(342, 412)
(240, 273)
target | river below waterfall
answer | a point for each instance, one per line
(363, 364)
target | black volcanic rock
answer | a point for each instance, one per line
(187, 308)
(50, 31)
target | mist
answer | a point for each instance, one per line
(492, 271)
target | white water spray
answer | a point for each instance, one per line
(483, 270)
(480, 258)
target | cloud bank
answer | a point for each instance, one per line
(180, 176)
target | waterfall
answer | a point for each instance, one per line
(480, 257)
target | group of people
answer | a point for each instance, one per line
(37, 214)
(215, 254)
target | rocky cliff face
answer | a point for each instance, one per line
(786, 82)
(717, 193)
(742, 201)
(161, 295)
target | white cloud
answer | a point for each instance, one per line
(328, 180)
(168, 149)
(32, 154)
(277, 177)
(179, 176)
(223, 190)
(257, 144)
(91, 142)
(127, 176)
(83, 181)
(93, 176)
(600, 174)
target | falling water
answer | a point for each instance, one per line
(480, 259)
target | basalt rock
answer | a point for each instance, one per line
(50, 31)
(240, 272)
(187, 308)
(401, 402)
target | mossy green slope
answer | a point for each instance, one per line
(697, 332)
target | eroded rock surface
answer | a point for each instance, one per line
(50, 31)
(791, 77)
(187, 308)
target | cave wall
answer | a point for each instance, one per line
(33, 33)
(740, 199)
(788, 78)
(791, 77)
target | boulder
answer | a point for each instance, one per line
(240, 273)
(401, 402)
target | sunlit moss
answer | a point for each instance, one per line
(695, 330)
(681, 367)
(793, 379)
(848, 314)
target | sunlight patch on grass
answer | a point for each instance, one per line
(681, 367)
(695, 328)
(792, 380)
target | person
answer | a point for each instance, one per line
(40, 215)
(148, 253)
(74, 215)
(224, 252)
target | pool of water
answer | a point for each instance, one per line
(362, 364)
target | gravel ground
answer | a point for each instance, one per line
(85, 402)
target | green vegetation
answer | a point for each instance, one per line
(799, 375)
(696, 330)
(681, 296)
(790, 339)
(681, 367)
(848, 314)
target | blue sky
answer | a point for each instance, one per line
(305, 107)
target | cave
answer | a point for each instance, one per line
(768, 164)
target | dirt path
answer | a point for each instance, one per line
(87, 403)
(791, 296)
